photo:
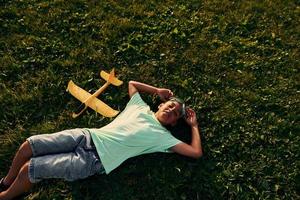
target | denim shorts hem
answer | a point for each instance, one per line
(31, 172)
(32, 145)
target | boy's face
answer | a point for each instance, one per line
(168, 113)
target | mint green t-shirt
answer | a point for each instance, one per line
(133, 132)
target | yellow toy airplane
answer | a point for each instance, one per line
(91, 100)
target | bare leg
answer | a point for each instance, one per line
(19, 186)
(22, 156)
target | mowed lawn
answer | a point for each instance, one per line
(235, 62)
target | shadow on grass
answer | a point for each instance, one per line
(154, 176)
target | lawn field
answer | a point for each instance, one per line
(235, 62)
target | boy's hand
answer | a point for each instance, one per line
(164, 94)
(191, 118)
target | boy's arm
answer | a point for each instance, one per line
(134, 86)
(194, 149)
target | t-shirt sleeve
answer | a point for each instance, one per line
(167, 142)
(136, 99)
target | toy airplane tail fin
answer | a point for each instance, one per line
(111, 78)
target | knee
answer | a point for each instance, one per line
(25, 149)
(23, 173)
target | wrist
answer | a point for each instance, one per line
(194, 125)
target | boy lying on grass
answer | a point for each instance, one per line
(79, 153)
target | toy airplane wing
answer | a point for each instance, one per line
(96, 104)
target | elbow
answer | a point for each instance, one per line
(131, 82)
(131, 88)
(198, 154)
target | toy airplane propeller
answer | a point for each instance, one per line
(91, 100)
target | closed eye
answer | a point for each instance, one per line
(175, 111)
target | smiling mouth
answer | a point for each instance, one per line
(167, 113)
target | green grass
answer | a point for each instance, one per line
(236, 63)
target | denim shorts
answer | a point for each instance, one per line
(68, 154)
